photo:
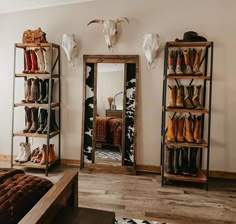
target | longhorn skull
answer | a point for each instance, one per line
(70, 46)
(109, 29)
(150, 47)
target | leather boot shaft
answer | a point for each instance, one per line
(177, 161)
(169, 160)
(180, 96)
(170, 70)
(180, 129)
(188, 98)
(197, 129)
(170, 135)
(34, 126)
(188, 129)
(34, 90)
(188, 69)
(27, 61)
(28, 119)
(34, 62)
(193, 161)
(196, 64)
(47, 59)
(53, 124)
(185, 161)
(42, 90)
(47, 83)
(178, 69)
(43, 114)
(196, 97)
(172, 96)
(27, 91)
(40, 60)
(26, 152)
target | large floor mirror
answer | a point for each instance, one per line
(110, 110)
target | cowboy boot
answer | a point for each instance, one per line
(38, 158)
(46, 98)
(40, 60)
(184, 161)
(47, 59)
(34, 62)
(27, 91)
(196, 64)
(34, 154)
(27, 61)
(169, 160)
(53, 124)
(188, 69)
(196, 97)
(26, 152)
(180, 97)
(197, 129)
(34, 126)
(180, 129)
(172, 96)
(44, 151)
(170, 70)
(170, 135)
(176, 161)
(43, 114)
(51, 157)
(17, 159)
(188, 129)
(28, 119)
(178, 69)
(193, 161)
(187, 98)
(42, 90)
(34, 90)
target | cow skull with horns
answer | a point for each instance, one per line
(110, 29)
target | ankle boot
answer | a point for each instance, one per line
(27, 61)
(47, 60)
(176, 161)
(172, 96)
(188, 69)
(34, 90)
(188, 129)
(180, 129)
(34, 154)
(178, 69)
(196, 97)
(34, 126)
(42, 90)
(193, 161)
(27, 91)
(43, 115)
(169, 160)
(196, 64)
(46, 98)
(184, 161)
(43, 150)
(34, 62)
(40, 60)
(197, 129)
(28, 118)
(38, 158)
(51, 157)
(170, 70)
(53, 124)
(170, 135)
(180, 97)
(26, 152)
(17, 159)
(188, 98)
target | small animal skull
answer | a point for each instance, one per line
(110, 29)
(70, 46)
(150, 47)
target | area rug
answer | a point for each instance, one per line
(108, 154)
(136, 221)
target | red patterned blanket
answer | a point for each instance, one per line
(19, 192)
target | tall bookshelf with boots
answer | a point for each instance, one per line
(186, 112)
(41, 105)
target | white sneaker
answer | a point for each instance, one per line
(20, 154)
(26, 152)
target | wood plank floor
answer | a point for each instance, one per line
(142, 197)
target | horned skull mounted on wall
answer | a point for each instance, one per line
(110, 29)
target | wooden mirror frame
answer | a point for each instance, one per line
(131, 64)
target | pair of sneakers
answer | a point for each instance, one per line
(24, 154)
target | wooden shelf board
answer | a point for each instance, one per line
(200, 178)
(21, 45)
(182, 110)
(189, 44)
(43, 105)
(30, 164)
(186, 144)
(188, 77)
(35, 135)
(39, 75)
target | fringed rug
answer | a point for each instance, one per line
(136, 221)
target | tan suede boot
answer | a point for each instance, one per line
(196, 64)
(180, 129)
(188, 129)
(180, 97)
(197, 129)
(27, 91)
(188, 69)
(172, 96)
(170, 135)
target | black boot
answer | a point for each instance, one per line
(53, 124)
(46, 98)
(176, 161)
(169, 160)
(184, 163)
(34, 126)
(42, 90)
(193, 161)
(28, 118)
(43, 115)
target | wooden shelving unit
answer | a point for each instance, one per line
(42, 105)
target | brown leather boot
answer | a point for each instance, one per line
(169, 160)
(188, 98)
(51, 157)
(196, 64)
(170, 135)
(28, 119)
(196, 97)
(188, 69)
(172, 96)
(34, 90)
(180, 97)
(27, 61)
(34, 62)
(188, 129)
(43, 150)
(171, 58)
(176, 161)
(180, 129)
(35, 123)
(27, 91)
(178, 69)
(197, 129)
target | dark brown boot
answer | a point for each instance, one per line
(188, 129)
(196, 64)
(169, 160)
(51, 157)
(176, 161)
(193, 161)
(184, 161)
(28, 118)
(34, 126)
(34, 91)
(27, 91)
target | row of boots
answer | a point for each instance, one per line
(184, 62)
(37, 120)
(37, 60)
(185, 96)
(37, 90)
(181, 161)
(37, 155)
(184, 129)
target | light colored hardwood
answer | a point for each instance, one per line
(114, 113)
(187, 144)
(41, 76)
(42, 105)
(36, 135)
(189, 44)
(188, 77)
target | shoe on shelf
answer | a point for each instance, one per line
(26, 152)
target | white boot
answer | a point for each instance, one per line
(40, 59)
(20, 154)
(47, 59)
(26, 152)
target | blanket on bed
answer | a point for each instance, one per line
(19, 192)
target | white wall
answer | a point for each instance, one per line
(214, 19)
